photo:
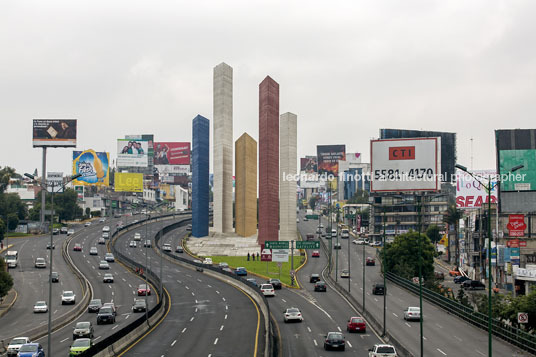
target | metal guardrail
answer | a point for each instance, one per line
(513, 335)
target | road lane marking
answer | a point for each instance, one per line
(338, 328)
(283, 300)
(184, 329)
(173, 343)
(65, 339)
(309, 329)
(349, 344)
(209, 285)
(216, 341)
(192, 319)
(395, 314)
(408, 325)
(480, 352)
(217, 292)
(438, 325)
(316, 344)
(193, 293)
(226, 307)
(221, 328)
(444, 354)
(225, 318)
(187, 288)
(456, 337)
(223, 298)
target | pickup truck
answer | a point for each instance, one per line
(382, 351)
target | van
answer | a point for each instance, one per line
(12, 258)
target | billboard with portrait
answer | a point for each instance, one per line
(309, 164)
(171, 153)
(128, 182)
(132, 153)
(93, 166)
(54, 132)
(328, 157)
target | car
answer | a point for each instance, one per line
(310, 236)
(207, 261)
(55, 277)
(139, 305)
(334, 233)
(323, 234)
(320, 226)
(345, 233)
(112, 305)
(40, 263)
(167, 247)
(356, 324)
(55, 231)
(64, 230)
(276, 283)
(227, 269)
(132, 244)
(77, 247)
(359, 241)
(79, 346)
(93, 251)
(412, 313)
(106, 315)
(70, 232)
(370, 261)
(87, 224)
(137, 236)
(292, 314)
(179, 249)
(439, 275)
(144, 290)
(305, 219)
(252, 281)
(337, 245)
(382, 351)
(94, 305)
(222, 265)
(241, 271)
(102, 220)
(319, 230)
(106, 228)
(40, 306)
(378, 289)
(15, 345)
(198, 267)
(460, 279)
(314, 278)
(473, 285)
(377, 244)
(102, 240)
(83, 329)
(267, 290)
(334, 340)
(345, 273)
(108, 278)
(103, 265)
(68, 297)
(189, 228)
(320, 286)
(147, 243)
(315, 254)
(31, 350)
(109, 257)
(297, 220)
(454, 272)
(105, 235)
(53, 245)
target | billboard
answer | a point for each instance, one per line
(132, 153)
(399, 165)
(516, 225)
(328, 157)
(55, 182)
(470, 193)
(128, 182)
(54, 132)
(309, 164)
(171, 153)
(93, 166)
(524, 179)
(172, 169)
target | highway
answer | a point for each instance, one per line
(444, 334)
(207, 317)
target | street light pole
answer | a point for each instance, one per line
(146, 265)
(384, 267)
(330, 228)
(349, 251)
(420, 276)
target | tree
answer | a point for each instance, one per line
(433, 232)
(453, 218)
(6, 281)
(65, 205)
(2, 229)
(360, 196)
(88, 211)
(12, 221)
(312, 202)
(5, 175)
(402, 256)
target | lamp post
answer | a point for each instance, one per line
(53, 186)
(384, 268)
(147, 240)
(489, 187)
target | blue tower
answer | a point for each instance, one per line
(200, 168)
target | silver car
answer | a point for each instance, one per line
(104, 265)
(40, 306)
(40, 263)
(83, 329)
(293, 314)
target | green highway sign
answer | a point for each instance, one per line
(307, 245)
(277, 244)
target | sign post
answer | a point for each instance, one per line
(522, 318)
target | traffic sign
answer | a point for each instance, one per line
(307, 245)
(277, 244)
(522, 317)
(266, 255)
(280, 255)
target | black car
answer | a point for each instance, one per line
(55, 277)
(276, 283)
(460, 279)
(473, 285)
(314, 278)
(94, 305)
(378, 289)
(53, 246)
(337, 246)
(55, 231)
(139, 305)
(106, 315)
(334, 340)
(252, 281)
(320, 286)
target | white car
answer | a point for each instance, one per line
(105, 235)
(293, 314)
(137, 236)
(207, 261)
(108, 278)
(267, 290)
(345, 273)
(102, 220)
(68, 297)
(15, 344)
(40, 263)
(109, 257)
(93, 251)
(132, 244)
(106, 228)
(70, 232)
(412, 313)
(104, 265)
(40, 306)
(382, 351)
(167, 247)
(87, 224)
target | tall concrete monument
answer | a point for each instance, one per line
(268, 160)
(200, 167)
(223, 148)
(246, 186)
(288, 156)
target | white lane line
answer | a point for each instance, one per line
(193, 293)
(178, 281)
(349, 344)
(217, 292)
(225, 318)
(223, 298)
(226, 307)
(309, 329)
(124, 279)
(408, 325)
(395, 314)
(65, 339)
(444, 354)
(126, 317)
(55, 311)
(216, 341)
(283, 300)
(438, 325)
(221, 328)
(209, 285)
(456, 337)
(316, 344)
(338, 328)
(184, 329)
(116, 326)
(199, 280)
(112, 293)
(195, 309)
(173, 343)
(375, 299)
(192, 319)
(188, 275)
(187, 288)
(480, 352)
(96, 338)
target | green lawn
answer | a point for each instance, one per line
(19, 234)
(260, 267)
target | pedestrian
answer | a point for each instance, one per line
(257, 255)
(248, 256)
(253, 256)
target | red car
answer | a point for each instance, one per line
(315, 254)
(356, 324)
(370, 261)
(144, 289)
(77, 247)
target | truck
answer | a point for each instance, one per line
(12, 258)
(382, 351)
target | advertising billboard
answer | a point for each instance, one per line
(128, 182)
(470, 193)
(309, 164)
(523, 179)
(328, 157)
(399, 165)
(93, 166)
(172, 169)
(171, 153)
(55, 182)
(132, 153)
(54, 132)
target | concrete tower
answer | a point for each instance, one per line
(268, 160)
(223, 148)
(288, 156)
(246, 186)
(200, 167)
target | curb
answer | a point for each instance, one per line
(6, 248)
(10, 304)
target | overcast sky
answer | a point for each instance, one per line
(346, 68)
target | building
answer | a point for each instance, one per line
(181, 199)
(353, 175)
(200, 171)
(288, 158)
(246, 186)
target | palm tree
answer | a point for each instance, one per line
(453, 217)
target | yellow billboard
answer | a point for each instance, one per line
(128, 182)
